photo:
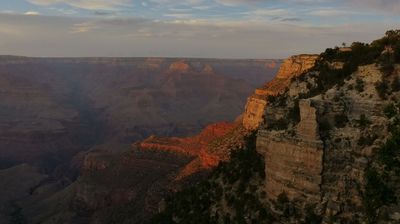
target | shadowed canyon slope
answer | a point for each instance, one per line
(125, 99)
(75, 119)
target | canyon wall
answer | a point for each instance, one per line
(291, 67)
(293, 163)
(321, 159)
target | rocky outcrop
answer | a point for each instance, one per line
(293, 164)
(256, 103)
(198, 147)
(179, 67)
(321, 158)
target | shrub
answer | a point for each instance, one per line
(310, 216)
(359, 85)
(387, 69)
(376, 194)
(389, 153)
(382, 89)
(395, 84)
(390, 110)
(341, 120)
(324, 125)
(294, 112)
(366, 140)
(363, 122)
(283, 204)
(350, 87)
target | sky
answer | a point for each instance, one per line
(189, 28)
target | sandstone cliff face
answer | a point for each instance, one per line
(321, 159)
(256, 103)
(294, 162)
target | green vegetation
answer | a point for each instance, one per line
(292, 117)
(359, 85)
(284, 205)
(377, 193)
(366, 140)
(383, 173)
(324, 127)
(389, 153)
(384, 52)
(390, 110)
(233, 184)
(16, 215)
(382, 88)
(341, 120)
(363, 122)
(310, 216)
(395, 84)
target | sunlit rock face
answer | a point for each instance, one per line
(256, 103)
(205, 150)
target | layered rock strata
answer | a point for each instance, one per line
(291, 67)
(293, 164)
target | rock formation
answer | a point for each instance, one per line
(321, 159)
(199, 148)
(294, 163)
(179, 67)
(256, 103)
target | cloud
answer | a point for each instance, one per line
(103, 13)
(76, 36)
(237, 2)
(392, 6)
(86, 4)
(83, 27)
(332, 12)
(32, 13)
(291, 19)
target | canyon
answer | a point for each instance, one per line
(66, 122)
(318, 143)
(113, 98)
(322, 146)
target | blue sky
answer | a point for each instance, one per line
(189, 28)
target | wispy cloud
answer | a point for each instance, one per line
(327, 12)
(67, 36)
(237, 2)
(32, 13)
(86, 4)
(391, 6)
(83, 27)
(198, 28)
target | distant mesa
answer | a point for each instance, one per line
(154, 63)
(208, 69)
(271, 65)
(184, 67)
(180, 67)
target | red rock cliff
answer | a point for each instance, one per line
(256, 103)
(199, 147)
